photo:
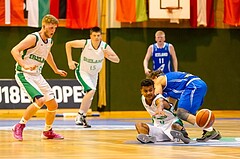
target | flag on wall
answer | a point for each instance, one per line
(82, 14)
(202, 13)
(12, 12)
(37, 9)
(232, 12)
(131, 11)
(58, 8)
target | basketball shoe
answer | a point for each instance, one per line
(50, 135)
(81, 120)
(218, 137)
(182, 135)
(144, 138)
(17, 131)
(208, 135)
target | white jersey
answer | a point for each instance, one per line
(160, 121)
(36, 55)
(91, 59)
(162, 125)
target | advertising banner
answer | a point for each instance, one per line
(68, 94)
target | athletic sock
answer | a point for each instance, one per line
(47, 127)
(23, 121)
(209, 129)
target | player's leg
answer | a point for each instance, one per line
(143, 133)
(85, 105)
(178, 131)
(49, 119)
(89, 83)
(51, 105)
(190, 101)
(142, 128)
(27, 84)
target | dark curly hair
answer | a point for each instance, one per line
(147, 82)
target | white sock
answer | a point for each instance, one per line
(23, 121)
(82, 112)
(47, 127)
(209, 129)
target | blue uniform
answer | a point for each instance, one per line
(161, 58)
(189, 89)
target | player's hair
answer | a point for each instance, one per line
(49, 19)
(160, 32)
(95, 29)
(147, 82)
(154, 74)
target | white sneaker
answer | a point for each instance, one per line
(78, 120)
(81, 120)
(144, 138)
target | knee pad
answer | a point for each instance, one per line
(182, 114)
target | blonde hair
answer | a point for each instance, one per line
(161, 33)
(49, 19)
(155, 74)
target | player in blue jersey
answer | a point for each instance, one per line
(190, 91)
(163, 55)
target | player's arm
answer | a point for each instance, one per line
(16, 51)
(159, 82)
(174, 57)
(53, 65)
(110, 54)
(160, 106)
(146, 60)
(68, 46)
(172, 101)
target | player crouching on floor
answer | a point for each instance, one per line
(165, 122)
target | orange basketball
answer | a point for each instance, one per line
(205, 118)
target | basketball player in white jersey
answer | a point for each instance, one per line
(164, 120)
(30, 55)
(94, 50)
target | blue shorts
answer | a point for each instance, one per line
(193, 96)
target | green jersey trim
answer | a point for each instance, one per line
(33, 92)
(86, 88)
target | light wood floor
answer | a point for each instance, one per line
(114, 143)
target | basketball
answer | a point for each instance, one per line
(205, 118)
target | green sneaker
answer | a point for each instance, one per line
(218, 137)
(208, 135)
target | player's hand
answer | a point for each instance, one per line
(61, 73)
(147, 72)
(106, 53)
(30, 67)
(72, 65)
(160, 113)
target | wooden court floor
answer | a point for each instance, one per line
(113, 136)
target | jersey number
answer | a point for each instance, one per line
(161, 60)
(161, 122)
(93, 67)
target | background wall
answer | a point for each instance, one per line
(212, 54)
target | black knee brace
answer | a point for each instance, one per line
(182, 114)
